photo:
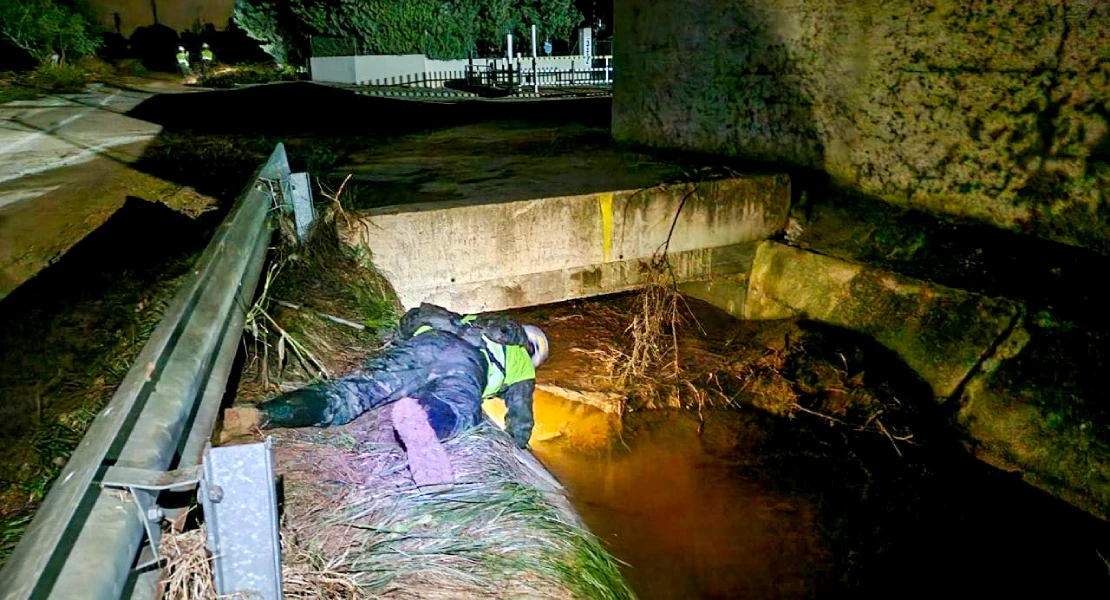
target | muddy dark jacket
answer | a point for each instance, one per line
(442, 372)
(502, 342)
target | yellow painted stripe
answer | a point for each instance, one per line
(605, 204)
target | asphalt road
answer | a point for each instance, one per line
(63, 170)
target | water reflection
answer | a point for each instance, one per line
(755, 507)
(687, 524)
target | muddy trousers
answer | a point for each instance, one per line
(444, 374)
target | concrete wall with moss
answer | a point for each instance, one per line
(996, 110)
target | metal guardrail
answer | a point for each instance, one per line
(85, 539)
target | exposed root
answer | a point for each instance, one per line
(656, 318)
(788, 368)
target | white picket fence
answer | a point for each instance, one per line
(416, 70)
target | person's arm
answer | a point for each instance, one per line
(496, 328)
(519, 420)
(433, 316)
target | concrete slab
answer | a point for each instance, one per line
(1037, 407)
(503, 161)
(942, 333)
(60, 131)
(481, 256)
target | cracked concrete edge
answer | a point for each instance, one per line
(1003, 427)
(945, 334)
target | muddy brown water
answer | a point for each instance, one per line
(686, 525)
(741, 504)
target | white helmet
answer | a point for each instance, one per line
(181, 48)
(538, 345)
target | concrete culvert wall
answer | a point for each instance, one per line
(942, 333)
(990, 110)
(483, 257)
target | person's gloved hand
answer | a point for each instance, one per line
(520, 435)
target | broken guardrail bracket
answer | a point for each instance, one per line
(147, 479)
(300, 195)
(143, 487)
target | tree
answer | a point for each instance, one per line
(259, 19)
(437, 28)
(44, 28)
(555, 19)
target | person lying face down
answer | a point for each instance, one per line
(440, 368)
(512, 352)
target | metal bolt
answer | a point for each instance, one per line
(155, 513)
(215, 493)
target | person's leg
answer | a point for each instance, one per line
(335, 402)
(442, 409)
(429, 463)
(390, 376)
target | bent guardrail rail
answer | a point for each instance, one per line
(86, 537)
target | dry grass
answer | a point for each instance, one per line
(187, 574)
(267, 335)
(322, 310)
(656, 317)
(310, 576)
(503, 531)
